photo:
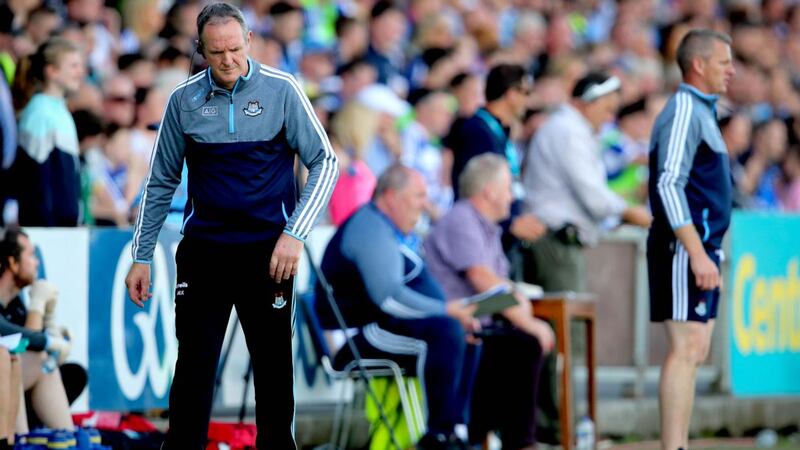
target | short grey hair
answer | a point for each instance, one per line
(480, 171)
(697, 43)
(217, 13)
(394, 178)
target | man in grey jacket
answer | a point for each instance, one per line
(238, 126)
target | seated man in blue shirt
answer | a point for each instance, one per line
(382, 287)
(465, 253)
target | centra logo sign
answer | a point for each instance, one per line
(153, 326)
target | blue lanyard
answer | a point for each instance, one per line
(497, 130)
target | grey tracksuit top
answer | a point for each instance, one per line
(239, 146)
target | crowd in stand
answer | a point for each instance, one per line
(409, 93)
(390, 81)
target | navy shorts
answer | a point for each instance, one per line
(674, 294)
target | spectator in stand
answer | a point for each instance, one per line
(528, 46)
(387, 28)
(179, 28)
(468, 91)
(762, 165)
(789, 189)
(100, 29)
(42, 23)
(566, 184)
(143, 20)
(352, 39)
(256, 15)
(489, 130)
(355, 126)
(625, 145)
(46, 169)
(140, 70)
(287, 27)
(109, 175)
(119, 101)
(143, 137)
(422, 150)
(317, 68)
(355, 76)
(386, 148)
(18, 269)
(465, 254)
(737, 132)
(8, 142)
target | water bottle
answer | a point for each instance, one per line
(584, 439)
(50, 363)
(766, 438)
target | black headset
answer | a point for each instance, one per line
(198, 48)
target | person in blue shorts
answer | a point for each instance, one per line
(691, 196)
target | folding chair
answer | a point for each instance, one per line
(351, 372)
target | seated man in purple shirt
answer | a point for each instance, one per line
(464, 252)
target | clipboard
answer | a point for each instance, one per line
(492, 301)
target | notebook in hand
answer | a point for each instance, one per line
(492, 301)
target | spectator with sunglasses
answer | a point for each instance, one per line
(488, 131)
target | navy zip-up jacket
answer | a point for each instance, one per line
(45, 174)
(690, 181)
(375, 274)
(239, 146)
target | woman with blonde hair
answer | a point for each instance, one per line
(354, 127)
(46, 180)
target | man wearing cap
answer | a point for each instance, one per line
(691, 196)
(566, 183)
(388, 147)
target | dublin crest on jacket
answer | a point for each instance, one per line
(279, 301)
(253, 109)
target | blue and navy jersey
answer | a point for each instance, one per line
(239, 147)
(690, 181)
(45, 173)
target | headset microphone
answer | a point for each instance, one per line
(209, 96)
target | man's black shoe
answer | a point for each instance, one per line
(441, 441)
(433, 441)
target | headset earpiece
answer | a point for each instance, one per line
(199, 47)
